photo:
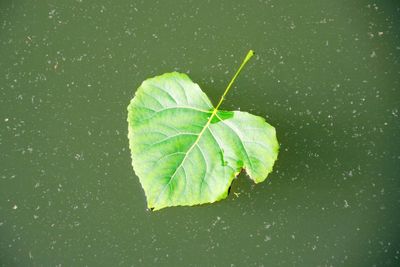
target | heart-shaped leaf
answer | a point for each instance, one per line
(185, 151)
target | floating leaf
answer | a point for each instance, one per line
(185, 151)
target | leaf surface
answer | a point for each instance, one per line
(185, 151)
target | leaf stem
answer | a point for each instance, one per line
(247, 58)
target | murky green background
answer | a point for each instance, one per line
(326, 75)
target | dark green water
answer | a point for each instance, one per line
(326, 75)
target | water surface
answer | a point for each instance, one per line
(326, 75)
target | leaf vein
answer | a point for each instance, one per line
(205, 174)
(170, 137)
(240, 139)
(171, 108)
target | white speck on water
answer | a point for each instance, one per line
(52, 13)
(6, 119)
(79, 156)
(15, 207)
(346, 204)
(216, 221)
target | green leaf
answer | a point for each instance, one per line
(185, 151)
